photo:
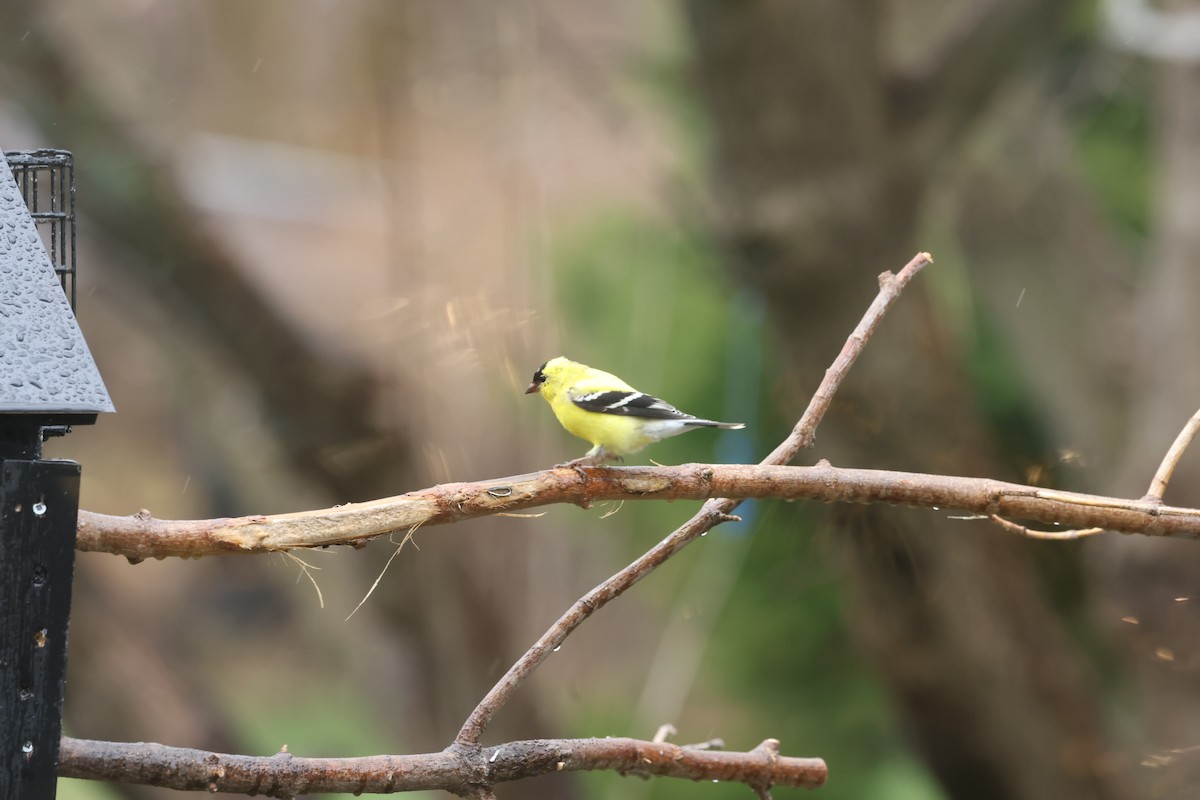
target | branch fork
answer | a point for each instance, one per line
(465, 767)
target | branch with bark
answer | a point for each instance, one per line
(463, 771)
(141, 536)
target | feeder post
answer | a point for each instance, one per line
(39, 501)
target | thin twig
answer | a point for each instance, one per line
(1158, 486)
(306, 570)
(1034, 533)
(461, 771)
(382, 572)
(711, 513)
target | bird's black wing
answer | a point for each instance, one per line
(630, 404)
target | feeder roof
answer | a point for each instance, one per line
(46, 368)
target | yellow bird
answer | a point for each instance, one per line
(603, 409)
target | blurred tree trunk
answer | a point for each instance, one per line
(823, 159)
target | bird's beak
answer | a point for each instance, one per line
(533, 387)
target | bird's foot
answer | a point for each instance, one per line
(578, 465)
(589, 460)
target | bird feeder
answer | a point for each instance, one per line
(48, 383)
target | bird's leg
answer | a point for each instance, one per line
(592, 458)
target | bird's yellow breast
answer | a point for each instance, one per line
(620, 435)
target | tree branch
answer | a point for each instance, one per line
(462, 771)
(1167, 468)
(141, 536)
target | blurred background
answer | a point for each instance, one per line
(324, 246)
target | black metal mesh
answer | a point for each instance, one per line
(46, 179)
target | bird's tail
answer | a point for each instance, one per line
(708, 423)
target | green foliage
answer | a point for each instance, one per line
(1003, 399)
(1108, 97)
(334, 720)
(1114, 149)
(72, 789)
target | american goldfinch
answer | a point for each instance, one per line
(603, 409)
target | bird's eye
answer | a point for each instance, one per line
(539, 378)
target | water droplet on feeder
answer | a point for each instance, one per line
(27, 748)
(39, 508)
(24, 694)
(39, 638)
